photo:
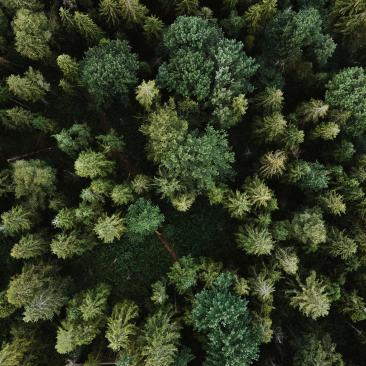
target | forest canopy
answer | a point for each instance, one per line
(182, 182)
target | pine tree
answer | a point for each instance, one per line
(40, 290)
(354, 306)
(30, 246)
(341, 245)
(143, 218)
(120, 326)
(238, 204)
(133, 12)
(311, 299)
(273, 163)
(109, 228)
(32, 34)
(313, 111)
(254, 240)
(122, 194)
(108, 71)
(17, 220)
(153, 27)
(70, 69)
(270, 128)
(90, 164)
(259, 14)
(32, 87)
(110, 9)
(147, 93)
(159, 339)
(237, 342)
(184, 274)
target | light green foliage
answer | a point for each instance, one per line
(65, 219)
(40, 290)
(70, 70)
(164, 129)
(354, 306)
(109, 228)
(308, 228)
(287, 260)
(341, 245)
(26, 4)
(74, 139)
(143, 218)
(32, 34)
(30, 246)
(273, 163)
(237, 342)
(184, 274)
(68, 245)
(6, 309)
(108, 71)
(259, 14)
(183, 202)
(238, 204)
(159, 339)
(34, 182)
(293, 33)
(140, 183)
(259, 194)
(326, 131)
(122, 194)
(85, 316)
(159, 295)
(271, 99)
(32, 87)
(121, 327)
(254, 240)
(147, 93)
(317, 350)
(312, 111)
(83, 24)
(17, 220)
(110, 10)
(90, 164)
(333, 203)
(311, 298)
(347, 91)
(270, 128)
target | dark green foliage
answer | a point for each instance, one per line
(143, 218)
(108, 71)
(346, 91)
(223, 316)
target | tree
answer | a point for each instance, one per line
(238, 204)
(74, 139)
(346, 91)
(122, 194)
(109, 228)
(317, 350)
(90, 164)
(147, 93)
(293, 33)
(259, 14)
(184, 274)
(30, 246)
(270, 128)
(34, 182)
(132, 11)
(199, 162)
(153, 27)
(32, 34)
(108, 71)
(121, 327)
(17, 220)
(311, 299)
(273, 163)
(340, 244)
(232, 339)
(85, 316)
(254, 240)
(70, 70)
(68, 245)
(308, 228)
(143, 218)
(40, 290)
(159, 339)
(32, 87)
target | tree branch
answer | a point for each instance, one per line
(167, 245)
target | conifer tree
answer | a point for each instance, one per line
(109, 228)
(30, 246)
(32, 87)
(32, 34)
(92, 164)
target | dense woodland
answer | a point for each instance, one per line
(183, 182)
